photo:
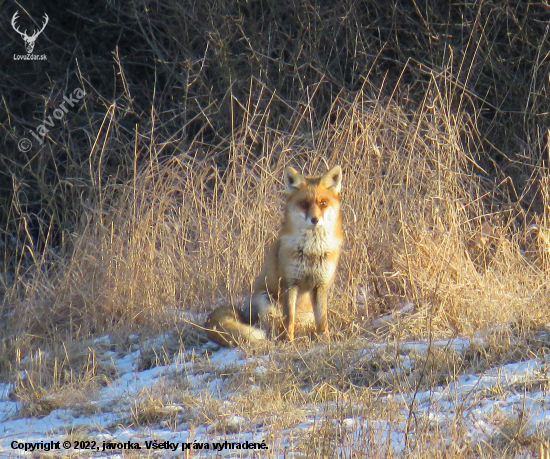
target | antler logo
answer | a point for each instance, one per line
(29, 41)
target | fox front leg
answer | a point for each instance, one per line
(289, 310)
(320, 295)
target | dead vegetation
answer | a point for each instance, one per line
(155, 199)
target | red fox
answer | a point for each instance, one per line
(299, 267)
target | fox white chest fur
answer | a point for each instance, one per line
(310, 253)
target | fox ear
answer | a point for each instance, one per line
(333, 179)
(292, 179)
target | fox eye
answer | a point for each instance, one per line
(304, 204)
(323, 203)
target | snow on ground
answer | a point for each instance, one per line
(478, 400)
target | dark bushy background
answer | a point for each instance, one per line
(186, 70)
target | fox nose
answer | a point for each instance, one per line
(314, 220)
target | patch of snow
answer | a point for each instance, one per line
(477, 401)
(103, 340)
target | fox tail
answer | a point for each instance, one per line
(225, 326)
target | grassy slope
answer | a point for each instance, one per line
(162, 189)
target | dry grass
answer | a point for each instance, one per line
(160, 220)
(184, 234)
(60, 377)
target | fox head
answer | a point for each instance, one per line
(313, 201)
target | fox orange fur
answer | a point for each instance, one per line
(225, 326)
(300, 265)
